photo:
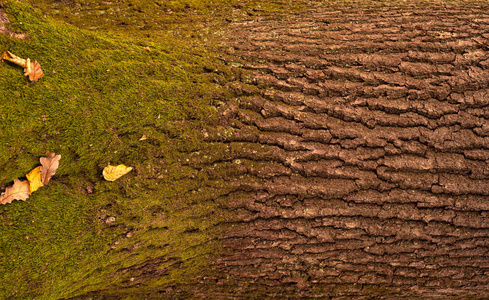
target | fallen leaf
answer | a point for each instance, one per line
(50, 164)
(112, 173)
(9, 56)
(19, 191)
(31, 69)
(34, 178)
(143, 138)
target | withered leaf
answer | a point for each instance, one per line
(112, 173)
(9, 56)
(34, 178)
(31, 69)
(50, 164)
(18, 191)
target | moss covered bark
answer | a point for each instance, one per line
(337, 152)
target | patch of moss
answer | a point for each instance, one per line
(102, 91)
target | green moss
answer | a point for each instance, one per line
(102, 90)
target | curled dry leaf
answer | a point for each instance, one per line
(19, 191)
(34, 178)
(112, 173)
(31, 69)
(9, 56)
(50, 164)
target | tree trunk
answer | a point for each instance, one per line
(358, 149)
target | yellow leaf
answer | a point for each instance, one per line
(34, 178)
(18, 191)
(112, 173)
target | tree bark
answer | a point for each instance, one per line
(358, 148)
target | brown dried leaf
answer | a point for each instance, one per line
(31, 69)
(18, 191)
(50, 164)
(34, 71)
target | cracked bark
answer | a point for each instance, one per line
(361, 135)
(358, 148)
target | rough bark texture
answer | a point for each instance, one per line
(358, 147)
(360, 140)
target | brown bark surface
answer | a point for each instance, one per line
(359, 144)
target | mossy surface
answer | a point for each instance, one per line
(100, 94)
